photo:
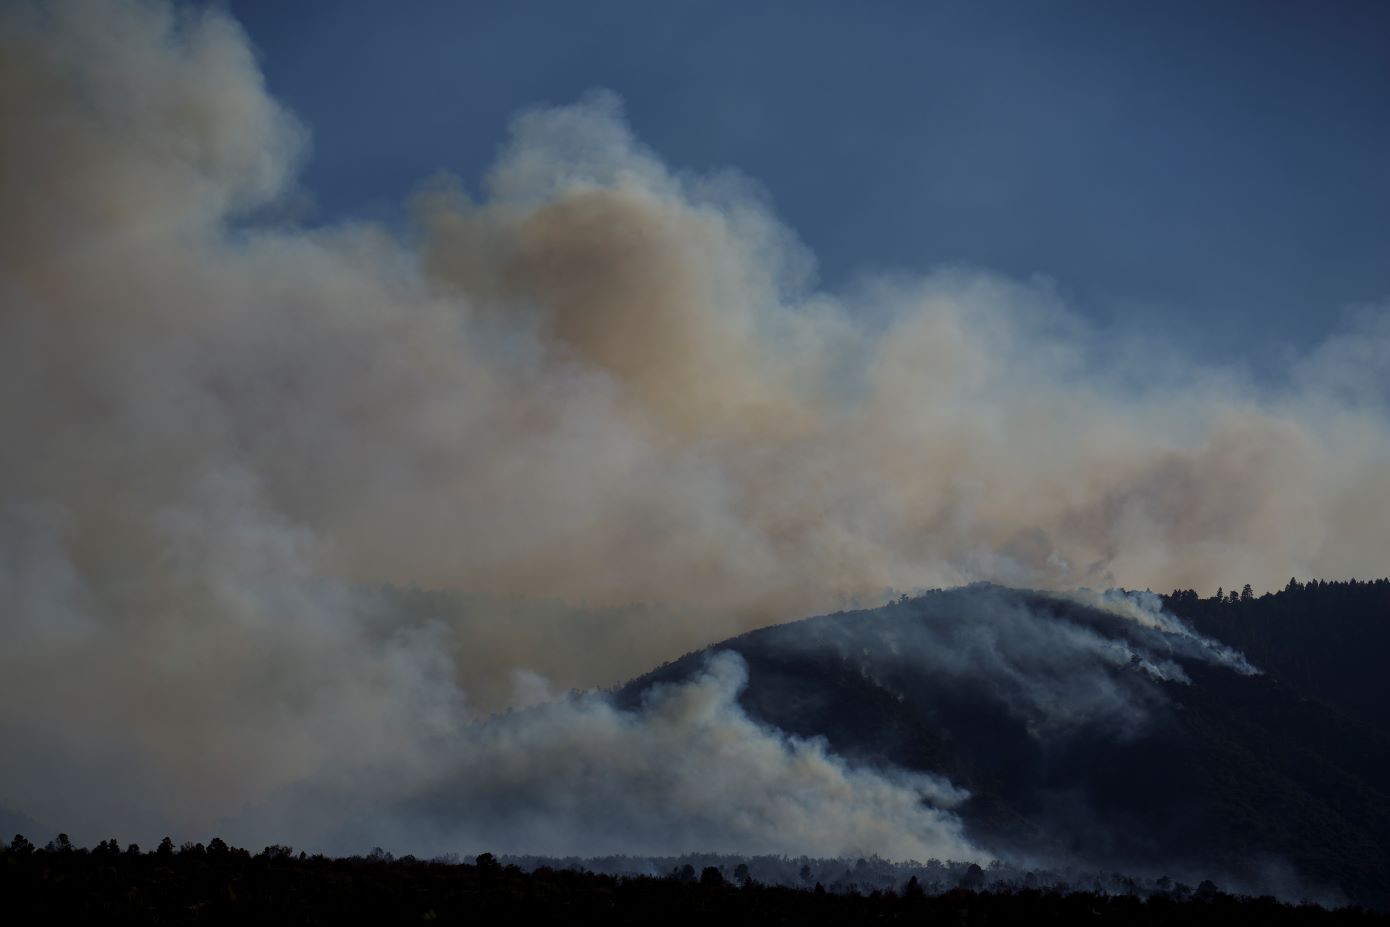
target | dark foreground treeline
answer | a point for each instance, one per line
(220, 884)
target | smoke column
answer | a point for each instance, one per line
(597, 381)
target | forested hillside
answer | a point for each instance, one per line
(1088, 738)
(1328, 640)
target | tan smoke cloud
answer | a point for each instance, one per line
(600, 382)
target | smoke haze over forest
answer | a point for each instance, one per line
(286, 508)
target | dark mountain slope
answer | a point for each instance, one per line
(1326, 639)
(1085, 737)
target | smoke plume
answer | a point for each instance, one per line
(597, 384)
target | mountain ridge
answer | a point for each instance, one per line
(1220, 771)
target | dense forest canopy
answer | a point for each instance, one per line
(1327, 639)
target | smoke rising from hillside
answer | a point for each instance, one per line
(686, 767)
(601, 381)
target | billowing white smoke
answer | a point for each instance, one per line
(685, 768)
(1146, 610)
(603, 382)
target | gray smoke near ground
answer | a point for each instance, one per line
(686, 767)
(865, 875)
(602, 381)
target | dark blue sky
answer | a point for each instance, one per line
(1213, 171)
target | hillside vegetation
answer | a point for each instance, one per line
(1168, 762)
